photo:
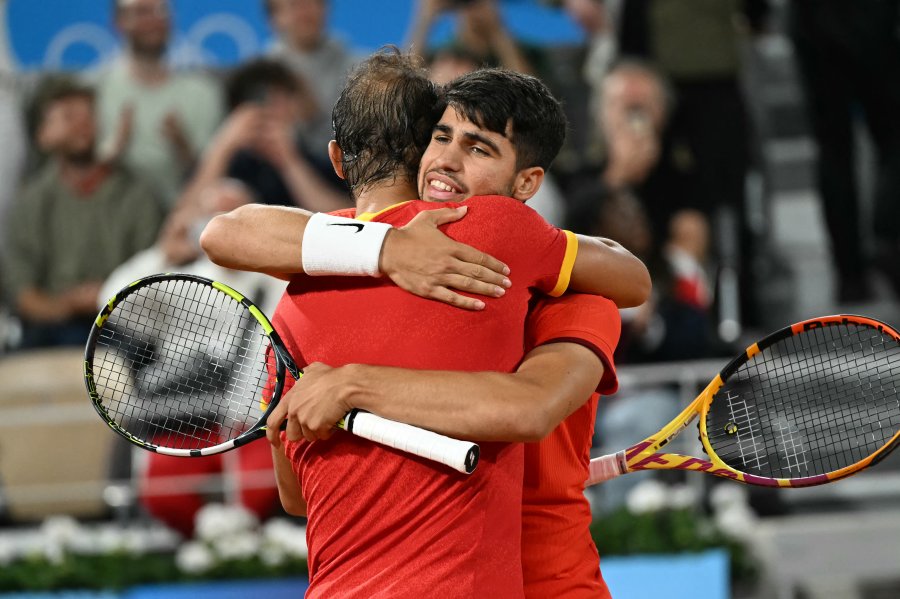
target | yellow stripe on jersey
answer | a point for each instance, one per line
(368, 216)
(565, 271)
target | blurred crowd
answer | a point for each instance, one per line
(109, 175)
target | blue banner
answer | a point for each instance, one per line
(80, 34)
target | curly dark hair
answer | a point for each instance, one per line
(384, 118)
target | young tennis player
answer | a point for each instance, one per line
(372, 512)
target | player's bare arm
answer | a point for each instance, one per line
(551, 382)
(604, 267)
(417, 257)
(289, 491)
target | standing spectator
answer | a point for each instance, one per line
(577, 75)
(256, 143)
(305, 46)
(695, 43)
(848, 54)
(480, 33)
(155, 119)
(76, 220)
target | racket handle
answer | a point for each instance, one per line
(462, 456)
(605, 468)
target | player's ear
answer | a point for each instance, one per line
(336, 155)
(527, 182)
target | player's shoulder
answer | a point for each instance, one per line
(497, 202)
(401, 211)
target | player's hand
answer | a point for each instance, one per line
(422, 260)
(312, 407)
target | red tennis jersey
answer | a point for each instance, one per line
(386, 524)
(559, 558)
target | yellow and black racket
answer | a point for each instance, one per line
(809, 404)
(185, 366)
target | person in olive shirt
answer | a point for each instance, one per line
(75, 221)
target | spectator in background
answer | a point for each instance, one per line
(75, 221)
(12, 161)
(173, 489)
(848, 54)
(706, 155)
(12, 132)
(576, 74)
(256, 143)
(632, 116)
(480, 33)
(305, 46)
(154, 119)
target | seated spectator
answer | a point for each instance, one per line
(256, 143)
(173, 489)
(303, 43)
(76, 220)
(153, 118)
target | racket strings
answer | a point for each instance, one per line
(181, 364)
(809, 404)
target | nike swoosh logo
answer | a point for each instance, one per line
(359, 226)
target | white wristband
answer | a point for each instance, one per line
(334, 245)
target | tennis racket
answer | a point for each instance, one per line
(185, 366)
(809, 404)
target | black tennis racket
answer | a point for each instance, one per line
(810, 404)
(185, 366)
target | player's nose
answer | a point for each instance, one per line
(449, 159)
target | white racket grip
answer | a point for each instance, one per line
(462, 456)
(605, 467)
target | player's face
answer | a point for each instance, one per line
(464, 160)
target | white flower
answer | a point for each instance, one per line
(7, 552)
(135, 541)
(238, 546)
(728, 494)
(216, 520)
(194, 558)
(272, 555)
(108, 540)
(737, 521)
(53, 551)
(291, 538)
(682, 497)
(61, 530)
(647, 496)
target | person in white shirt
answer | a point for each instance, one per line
(156, 120)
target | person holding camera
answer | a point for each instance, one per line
(480, 33)
(257, 144)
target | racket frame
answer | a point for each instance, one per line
(283, 362)
(645, 456)
(463, 457)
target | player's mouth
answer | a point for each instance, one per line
(441, 188)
